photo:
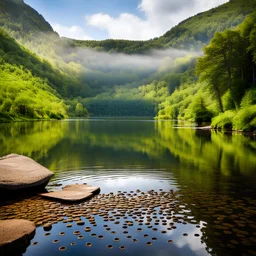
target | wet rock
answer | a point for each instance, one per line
(73, 193)
(47, 227)
(21, 172)
(15, 236)
(68, 195)
(82, 187)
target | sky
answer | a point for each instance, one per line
(118, 19)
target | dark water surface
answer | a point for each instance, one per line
(193, 192)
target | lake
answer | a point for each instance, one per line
(166, 188)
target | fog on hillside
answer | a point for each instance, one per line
(92, 59)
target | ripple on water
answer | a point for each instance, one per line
(118, 178)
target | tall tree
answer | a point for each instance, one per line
(223, 60)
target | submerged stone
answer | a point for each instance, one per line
(82, 187)
(68, 195)
(73, 193)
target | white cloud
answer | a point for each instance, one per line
(74, 32)
(126, 26)
(160, 16)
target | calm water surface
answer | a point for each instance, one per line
(208, 177)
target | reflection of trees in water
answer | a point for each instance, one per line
(123, 142)
(210, 151)
(230, 227)
(33, 139)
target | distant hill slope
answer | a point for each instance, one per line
(15, 54)
(30, 29)
(19, 18)
(23, 23)
(190, 34)
(201, 28)
(26, 84)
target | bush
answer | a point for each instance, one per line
(224, 120)
(249, 98)
(228, 103)
(203, 115)
(245, 119)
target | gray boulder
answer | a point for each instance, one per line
(21, 172)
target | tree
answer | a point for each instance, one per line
(212, 77)
(248, 31)
(200, 112)
(80, 111)
(224, 58)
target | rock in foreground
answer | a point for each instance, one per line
(21, 172)
(15, 235)
(73, 193)
(82, 187)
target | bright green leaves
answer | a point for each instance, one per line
(25, 96)
(226, 64)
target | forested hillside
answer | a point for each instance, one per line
(20, 19)
(226, 90)
(31, 30)
(190, 34)
(157, 77)
(25, 91)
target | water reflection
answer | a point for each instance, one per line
(78, 144)
(212, 174)
(33, 139)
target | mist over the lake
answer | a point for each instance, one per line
(99, 60)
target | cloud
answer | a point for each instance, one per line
(126, 26)
(165, 6)
(74, 32)
(160, 16)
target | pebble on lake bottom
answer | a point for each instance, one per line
(139, 212)
(62, 248)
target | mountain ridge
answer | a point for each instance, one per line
(183, 35)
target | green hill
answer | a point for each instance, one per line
(198, 30)
(25, 91)
(22, 21)
(189, 34)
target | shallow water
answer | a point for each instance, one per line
(208, 180)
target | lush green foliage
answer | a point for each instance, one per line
(24, 96)
(29, 85)
(15, 54)
(228, 66)
(31, 30)
(134, 99)
(227, 83)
